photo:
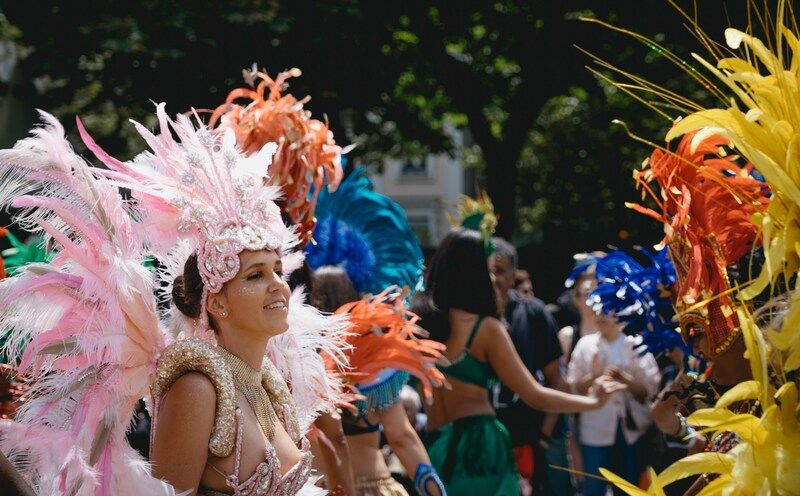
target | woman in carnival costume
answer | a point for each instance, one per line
(363, 245)
(459, 309)
(224, 417)
(307, 162)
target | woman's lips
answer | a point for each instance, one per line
(275, 305)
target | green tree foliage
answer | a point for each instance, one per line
(389, 76)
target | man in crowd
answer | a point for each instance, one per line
(538, 438)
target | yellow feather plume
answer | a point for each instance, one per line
(760, 115)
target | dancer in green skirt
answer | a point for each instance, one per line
(470, 449)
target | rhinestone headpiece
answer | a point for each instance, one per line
(196, 185)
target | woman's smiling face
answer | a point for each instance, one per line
(256, 300)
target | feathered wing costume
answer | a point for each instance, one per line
(204, 193)
(307, 158)
(90, 316)
(21, 254)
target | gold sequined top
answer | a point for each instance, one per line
(196, 355)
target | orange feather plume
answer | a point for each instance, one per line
(307, 159)
(384, 334)
(708, 196)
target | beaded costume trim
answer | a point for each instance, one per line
(195, 355)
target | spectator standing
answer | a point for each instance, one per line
(539, 439)
(608, 435)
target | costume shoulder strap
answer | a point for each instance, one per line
(195, 355)
(281, 398)
(474, 331)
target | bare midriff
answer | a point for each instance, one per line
(365, 457)
(462, 400)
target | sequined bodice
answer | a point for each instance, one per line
(194, 355)
(267, 479)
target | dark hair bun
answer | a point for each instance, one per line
(187, 289)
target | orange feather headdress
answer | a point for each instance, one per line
(307, 159)
(707, 201)
(383, 334)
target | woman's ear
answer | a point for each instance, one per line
(217, 305)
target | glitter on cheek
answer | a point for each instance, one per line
(248, 289)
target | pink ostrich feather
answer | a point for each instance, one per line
(90, 319)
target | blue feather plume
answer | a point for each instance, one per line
(367, 234)
(583, 263)
(638, 296)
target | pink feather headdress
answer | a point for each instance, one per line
(201, 189)
(200, 193)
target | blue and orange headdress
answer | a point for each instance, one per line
(367, 234)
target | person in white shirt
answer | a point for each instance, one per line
(608, 435)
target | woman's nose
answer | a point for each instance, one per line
(275, 284)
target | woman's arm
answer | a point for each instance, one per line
(403, 438)
(179, 450)
(505, 361)
(406, 445)
(552, 377)
(338, 468)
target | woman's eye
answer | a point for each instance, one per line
(253, 276)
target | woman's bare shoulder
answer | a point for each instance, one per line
(492, 325)
(492, 332)
(193, 388)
